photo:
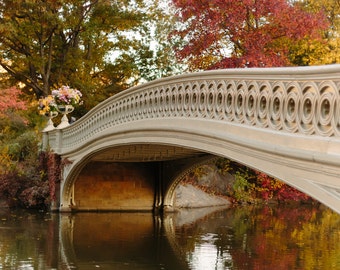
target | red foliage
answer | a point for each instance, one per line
(21, 191)
(31, 189)
(269, 188)
(243, 33)
(287, 193)
(53, 168)
(10, 100)
(34, 189)
(35, 196)
(10, 188)
(50, 163)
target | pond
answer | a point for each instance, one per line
(243, 237)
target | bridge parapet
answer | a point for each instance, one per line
(303, 100)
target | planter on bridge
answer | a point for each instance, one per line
(50, 125)
(64, 110)
(62, 100)
(66, 98)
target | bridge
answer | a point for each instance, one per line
(131, 150)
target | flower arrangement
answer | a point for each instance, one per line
(47, 105)
(66, 96)
(61, 100)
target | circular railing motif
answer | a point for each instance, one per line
(309, 108)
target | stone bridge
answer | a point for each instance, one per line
(131, 150)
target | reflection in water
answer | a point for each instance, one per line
(119, 240)
(284, 237)
(287, 237)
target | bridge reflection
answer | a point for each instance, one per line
(126, 240)
(115, 241)
(247, 237)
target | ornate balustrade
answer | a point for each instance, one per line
(301, 100)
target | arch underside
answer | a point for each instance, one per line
(307, 163)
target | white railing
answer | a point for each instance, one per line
(303, 100)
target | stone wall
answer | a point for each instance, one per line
(116, 186)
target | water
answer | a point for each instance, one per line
(277, 237)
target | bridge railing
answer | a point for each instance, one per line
(299, 100)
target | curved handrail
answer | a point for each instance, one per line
(299, 100)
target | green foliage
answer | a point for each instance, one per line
(98, 47)
(243, 190)
(24, 147)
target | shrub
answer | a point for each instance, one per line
(243, 190)
(23, 183)
(251, 186)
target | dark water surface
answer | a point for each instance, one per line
(271, 237)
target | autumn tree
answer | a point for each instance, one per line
(22, 181)
(10, 100)
(242, 33)
(98, 46)
(314, 52)
(12, 121)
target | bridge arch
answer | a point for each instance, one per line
(169, 196)
(270, 153)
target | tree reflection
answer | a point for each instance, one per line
(23, 236)
(286, 237)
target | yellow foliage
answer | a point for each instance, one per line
(202, 62)
(312, 234)
(5, 160)
(46, 104)
(327, 51)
